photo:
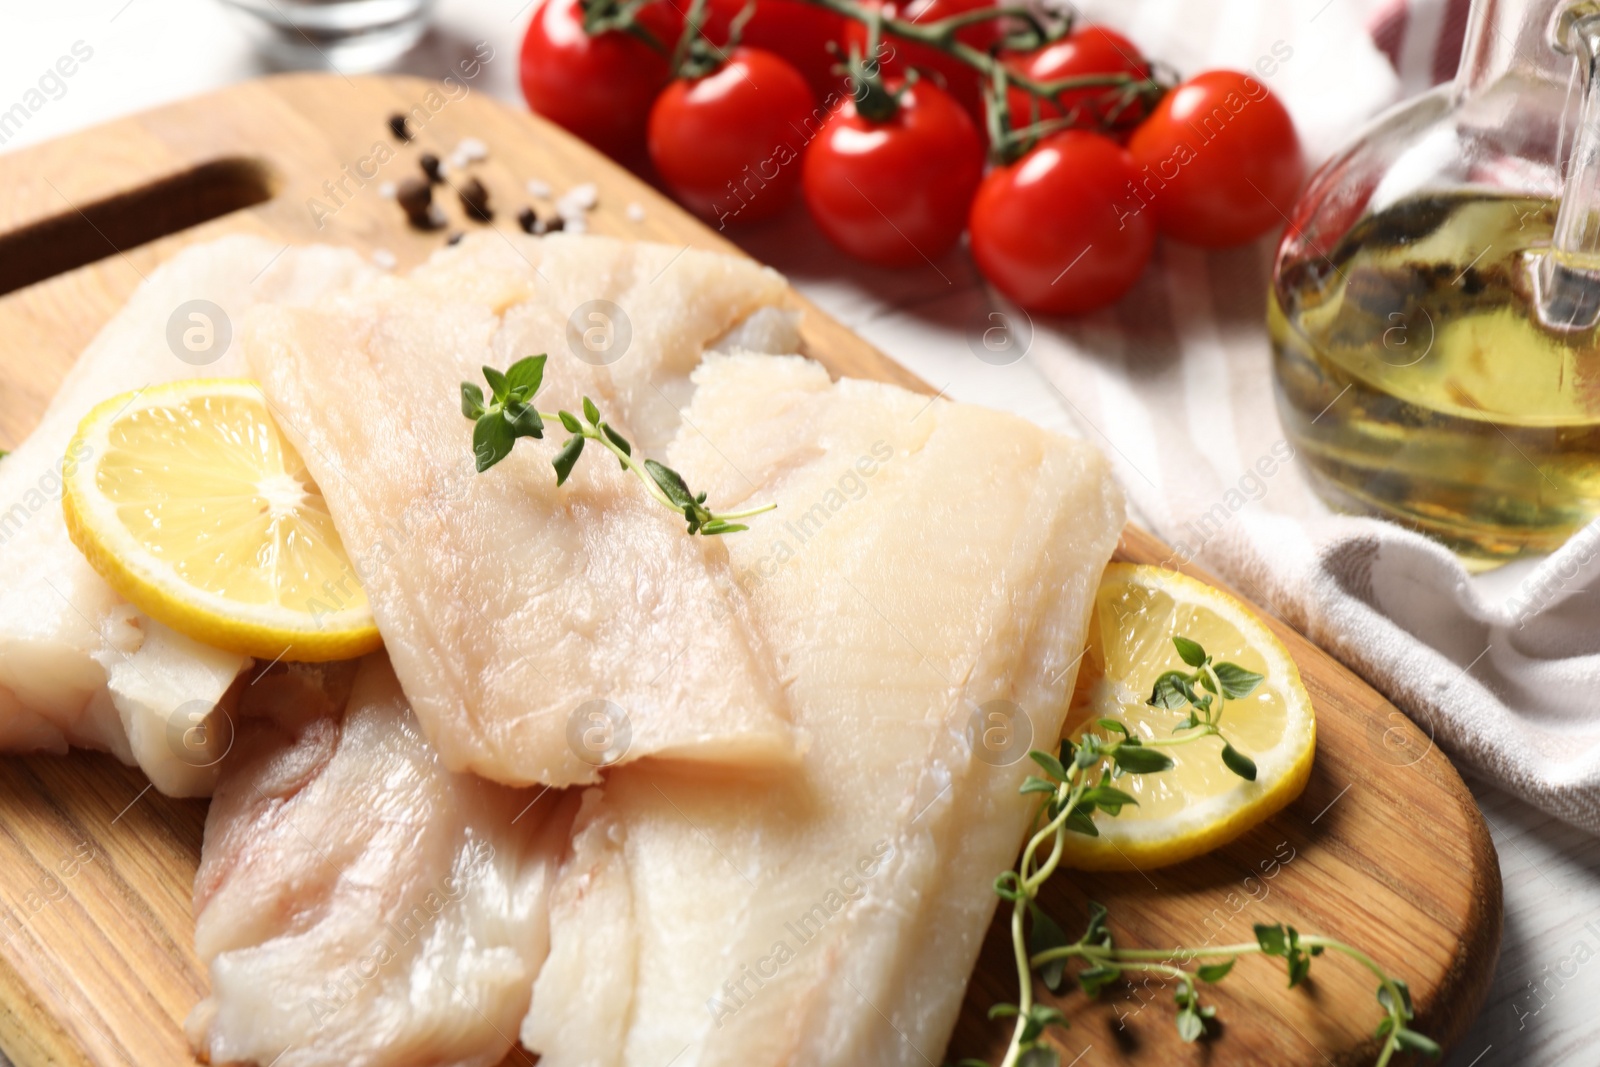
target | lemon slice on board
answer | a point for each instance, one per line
(190, 502)
(1199, 804)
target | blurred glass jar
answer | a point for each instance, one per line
(1436, 298)
(350, 36)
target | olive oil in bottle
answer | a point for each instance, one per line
(1419, 381)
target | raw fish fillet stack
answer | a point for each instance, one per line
(783, 854)
(78, 665)
(330, 830)
(926, 560)
(358, 903)
(506, 602)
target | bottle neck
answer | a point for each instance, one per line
(1567, 274)
(1516, 38)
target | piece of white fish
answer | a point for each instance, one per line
(925, 581)
(540, 632)
(78, 666)
(357, 904)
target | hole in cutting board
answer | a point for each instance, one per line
(92, 232)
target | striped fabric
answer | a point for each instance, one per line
(1421, 39)
(1175, 383)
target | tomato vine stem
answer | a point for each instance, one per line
(695, 55)
(1009, 139)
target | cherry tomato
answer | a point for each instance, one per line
(797, 31)
(599, 87)
(896, 192)
(1219, 160)
(898, 55)
(1058, 231)
(1086, 51)
(728, 144)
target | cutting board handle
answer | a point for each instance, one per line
(90, 232)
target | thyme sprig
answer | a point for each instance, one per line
(508, 413)
(1222, 681)
(1076, 784)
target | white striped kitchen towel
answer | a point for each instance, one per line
(1501, 671)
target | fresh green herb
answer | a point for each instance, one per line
(1076, 785)
(508, 413)
(1221, 682)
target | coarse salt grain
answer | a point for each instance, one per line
(538, 188)
(577, 225)
(384, 258)
(386, 190)
(635, 212)
(472, 150)
(575, 201)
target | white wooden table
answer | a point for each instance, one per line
(145, 52)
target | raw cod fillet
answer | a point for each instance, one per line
(358, 905)
(927, 560)
(540, 632)
(78, 665)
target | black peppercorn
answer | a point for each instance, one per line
(557, 223)
(399, 127)
(430, 167)
(415, 198)
(475, 200)
(455, 238)
(528, 219)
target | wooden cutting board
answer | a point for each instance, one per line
(1385, 849)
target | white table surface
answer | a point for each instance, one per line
(1541, 1012)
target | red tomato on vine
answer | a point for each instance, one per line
(600, 87)
(1058, 231)
(728, 144)
(1220, 161)
(895, 192)
(1088, 50)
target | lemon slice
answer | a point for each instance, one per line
(1199, 804)
(191, 504)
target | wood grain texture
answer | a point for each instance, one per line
(1385, 849)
